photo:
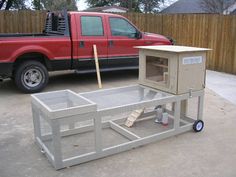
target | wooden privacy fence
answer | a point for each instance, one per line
(214, 31)
(24, 21)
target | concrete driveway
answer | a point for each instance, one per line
(223, 84)
(211, 153)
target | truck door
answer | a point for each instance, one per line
(92, 30)
(122, 38)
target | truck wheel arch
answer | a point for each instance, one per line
(35, 56)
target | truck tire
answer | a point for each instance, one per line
(31, 76)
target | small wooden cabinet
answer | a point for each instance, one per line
(174, 69)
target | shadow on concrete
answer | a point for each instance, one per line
(67, 79)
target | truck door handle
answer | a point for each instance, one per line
(110, 43)
(81, 44)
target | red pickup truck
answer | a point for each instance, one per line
(66, 44)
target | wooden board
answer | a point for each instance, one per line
(173, 48)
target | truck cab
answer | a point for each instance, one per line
(115, 37)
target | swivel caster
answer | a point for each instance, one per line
(198, 125)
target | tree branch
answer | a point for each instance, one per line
(9, 4)
(1, 3)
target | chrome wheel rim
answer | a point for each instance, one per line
(32, 77)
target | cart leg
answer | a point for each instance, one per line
(56, 143)
(98, 133)
(71, 124)
(176, 115)
(184, 107)
(36, 122)
(200, 107)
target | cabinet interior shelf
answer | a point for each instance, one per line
(159, 65)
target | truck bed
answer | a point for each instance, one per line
(30, 34)
(22, 34)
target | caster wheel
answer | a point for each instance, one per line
(198, 125)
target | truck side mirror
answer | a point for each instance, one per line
(138, 35)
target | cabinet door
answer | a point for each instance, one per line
(192, 71)
(92, 31)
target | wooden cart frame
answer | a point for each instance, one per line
(56, 118)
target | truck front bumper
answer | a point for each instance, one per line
(6, 70)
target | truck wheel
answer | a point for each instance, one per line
(31, 76)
